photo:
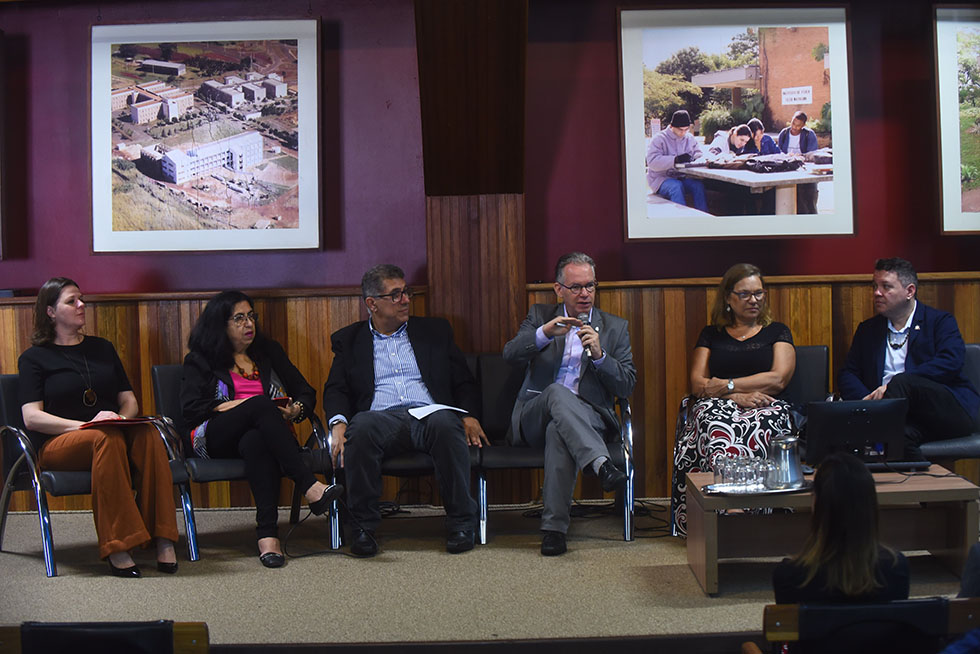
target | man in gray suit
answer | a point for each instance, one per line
(579, 361)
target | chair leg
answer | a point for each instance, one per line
(190, 524)
(484, 508)
(8, 488)
(628, 501)
(334, 526)
(294, 507)
(47, 541)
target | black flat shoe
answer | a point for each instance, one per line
(610, 477)
(330, 493)
(167, 568)
(131, 572)
(460, 541)
(272, 559)
(364, 544)
(553, 543)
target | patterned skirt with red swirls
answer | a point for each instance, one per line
(719, 426)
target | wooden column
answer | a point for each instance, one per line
(471, 83)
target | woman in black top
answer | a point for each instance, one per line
(740, 363)
(68, 379)
(842, 560)
(233, 379)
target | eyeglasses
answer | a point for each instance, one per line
(240, 318)
(577, 288)
(745, 295)
(396, 295)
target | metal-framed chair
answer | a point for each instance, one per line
(166, 391)
(419, 464)
(156, 637)
(500, 382)
(22, 472)
(916, 625)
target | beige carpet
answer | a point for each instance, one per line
(412, 591)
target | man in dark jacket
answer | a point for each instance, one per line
(913, 351)
(399, 384)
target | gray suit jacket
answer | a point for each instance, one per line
(599, 386)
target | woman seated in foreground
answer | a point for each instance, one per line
(68, 379)
(238, 394)
(842, 560)
(741, 361)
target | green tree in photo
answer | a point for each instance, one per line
(665, 94)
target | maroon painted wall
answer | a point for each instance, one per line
(574, 177)
(373, 197)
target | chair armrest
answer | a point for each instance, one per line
(319, 434)
(171, 439)
(28, 455)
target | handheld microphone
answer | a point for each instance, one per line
(584, 317)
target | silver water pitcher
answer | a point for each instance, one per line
(785, 452)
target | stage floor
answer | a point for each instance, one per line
(412, 591)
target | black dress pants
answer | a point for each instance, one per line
(256, 431)
(374, 435)
(934, 414)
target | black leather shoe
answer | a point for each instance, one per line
(460, 541)
(364, 544)
(128, 573)
(553, 543)
(330, 493)
(611, 477)
(167, 568)
(272, 559)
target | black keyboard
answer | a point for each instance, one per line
(899, 466)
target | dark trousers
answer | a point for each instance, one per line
(934, 413)
(374, 435)
(806, 198)
(256, 431)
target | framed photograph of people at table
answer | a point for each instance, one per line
(736, 122)
(958, 92)
(205, 136)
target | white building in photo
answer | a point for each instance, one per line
(236, 153)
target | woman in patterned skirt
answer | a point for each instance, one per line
(742, 360)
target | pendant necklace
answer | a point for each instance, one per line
(901, 344)
(89, 396)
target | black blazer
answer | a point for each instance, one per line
(199, 385)
(350, 384)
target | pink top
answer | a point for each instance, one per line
(245, 388)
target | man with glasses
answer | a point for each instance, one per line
(383, 367)
(913, 351)
(578, 362)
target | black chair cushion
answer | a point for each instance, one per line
(500, 457)
(411, 464)
(967, 447)
(204, 470)
(809, 381)
(62, 482)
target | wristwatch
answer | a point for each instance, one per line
(731, 385)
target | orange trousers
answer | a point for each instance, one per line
(122, 521)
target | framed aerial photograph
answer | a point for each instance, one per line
(735, 123)
(205, 136)
(958, 80)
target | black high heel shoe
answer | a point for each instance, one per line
(131, 572)
(330, 493)
(167, 568)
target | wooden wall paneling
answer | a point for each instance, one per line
(476, 266)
